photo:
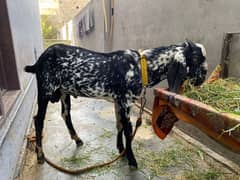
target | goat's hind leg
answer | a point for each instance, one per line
(120, 145)
(66, 107)
(39, 122)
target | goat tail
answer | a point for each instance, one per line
(30, 69)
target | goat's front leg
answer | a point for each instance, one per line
(39, 122)
(127, 128)
(66, 107)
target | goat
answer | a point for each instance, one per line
(64, 70)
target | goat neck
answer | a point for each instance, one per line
(158, 60)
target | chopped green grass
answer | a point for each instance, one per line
(161, 162)
(200, 175)
(222, 94)
(166, 163)
(106, 134)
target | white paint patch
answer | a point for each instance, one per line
(204, 52)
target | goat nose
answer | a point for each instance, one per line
(199, 81)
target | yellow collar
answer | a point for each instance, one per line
(144, 70)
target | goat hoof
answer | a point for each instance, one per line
(40, 160)
(133, 167)
(124, 154)
(120, 150)
(79, 142)
(133, 164)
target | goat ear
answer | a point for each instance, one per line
(176, 75)
(190, 44)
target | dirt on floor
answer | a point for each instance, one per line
(94, 120)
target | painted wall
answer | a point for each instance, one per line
(95, 39)
(27, 41)
(157, 22)
(146, 24)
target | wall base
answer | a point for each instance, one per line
(11, 147)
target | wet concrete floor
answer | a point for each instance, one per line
(94, 121)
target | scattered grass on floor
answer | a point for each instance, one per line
(159, 162)
(195, 174)
(168, 162)
(176, 161)
(83, 159)
(106, 134)
(110, 169)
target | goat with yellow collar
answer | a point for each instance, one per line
(118, 76)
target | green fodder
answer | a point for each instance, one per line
(178, 160)
(222, 94)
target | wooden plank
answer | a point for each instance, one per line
(202, 116)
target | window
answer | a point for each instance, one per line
(2, 90)
(1, 105)
(9, 82)
(2, 76)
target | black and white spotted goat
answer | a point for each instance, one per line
(64, 70)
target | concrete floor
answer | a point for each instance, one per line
(94, 120)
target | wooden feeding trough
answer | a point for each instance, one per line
(170, 107)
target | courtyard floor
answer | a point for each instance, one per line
(94, 121)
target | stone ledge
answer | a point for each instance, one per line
(12, 144)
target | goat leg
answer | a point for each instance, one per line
(66, 107)
(39, 122)
(127, 128)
